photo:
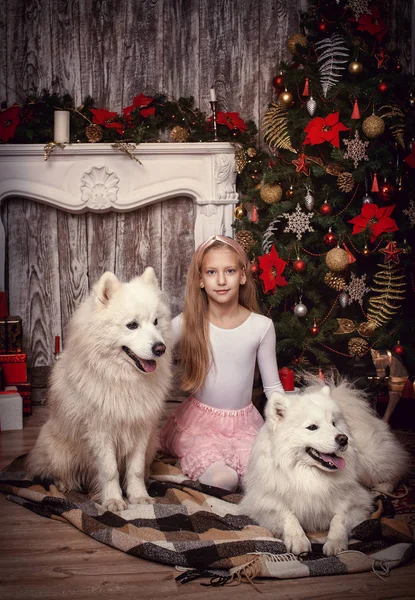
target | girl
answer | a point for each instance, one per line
(221, 335)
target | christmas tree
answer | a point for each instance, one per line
(327, 214)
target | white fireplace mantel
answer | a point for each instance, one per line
(99, 178)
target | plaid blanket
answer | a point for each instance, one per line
(202, 532)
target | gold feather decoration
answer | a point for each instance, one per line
(396, 121)
(274, 128)
(389, 292)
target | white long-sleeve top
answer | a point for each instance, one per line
(230, 379)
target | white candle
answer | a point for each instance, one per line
(212, 95)
(61, 126)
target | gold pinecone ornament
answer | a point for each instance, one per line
(94, 133)
(345, 182)
(246, 239)
(335, 281)
(271, 193)
(251, 152)
(337, 259)
(297, 38)
(357, 346)
(179, 134)
(373, 127)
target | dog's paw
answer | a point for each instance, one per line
(115, 504)
(333, 547)
(297, 544)
(62, 487)
(141, 500)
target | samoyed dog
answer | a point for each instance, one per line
(107, 393)
(313, 463)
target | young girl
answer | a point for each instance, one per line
(221, 335)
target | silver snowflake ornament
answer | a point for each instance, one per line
(359, 8)
(356, 149)
(357, 288)
(298, 222)
(410, 212)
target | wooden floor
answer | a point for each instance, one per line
(35, 562)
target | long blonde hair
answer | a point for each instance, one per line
(195, 348)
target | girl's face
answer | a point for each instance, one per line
(221, 275)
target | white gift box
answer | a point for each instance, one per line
(11, 410)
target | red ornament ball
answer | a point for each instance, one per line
(330, 239)
(398, 67)
(254, 268)
(398, 349)
(326, 209)
(386, 191)
(314, 330)
(322, 26)
(278, 82)
(299, 265)
(383, 87)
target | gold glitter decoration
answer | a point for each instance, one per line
(337, 259)
(240, 161)
(128, 149)
(275, 127)
(396, 121)
(246, 239)
(251, 152)
(357, 346)
(179, 134)
(389, 293)
(94, 133)
(335, 281)
(271, 193)
(297, 38)
(346, 182)
(49, 148)
(373, 127)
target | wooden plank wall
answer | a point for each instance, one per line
(113, 51)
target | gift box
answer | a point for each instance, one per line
(11, 335)
(11, 410)
(14, 368)
(25, 390)
(3, 305)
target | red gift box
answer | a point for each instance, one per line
(287, 379)
(14, 368)
(3, 305)
(11, 335)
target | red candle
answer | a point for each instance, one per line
(57, 344)
(287, 379)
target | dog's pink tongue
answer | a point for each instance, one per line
(148, 365)
(336, 460)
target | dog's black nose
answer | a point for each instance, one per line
(158, 349)
(342, 440)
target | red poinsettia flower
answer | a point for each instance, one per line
(373, 24)
(231, 120)
(377, 219)
(9, 120)
(272, 269)
(105, 117)
(140, 102)
(326, 129)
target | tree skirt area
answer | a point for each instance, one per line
(197, 528)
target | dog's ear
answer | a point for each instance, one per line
(106, 287)
(276, 408)
(149, 276)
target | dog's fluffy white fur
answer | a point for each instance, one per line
(107, 393)
(313, 463)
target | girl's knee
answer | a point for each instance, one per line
(220, 475)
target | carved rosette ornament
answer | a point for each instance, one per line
(99, 188)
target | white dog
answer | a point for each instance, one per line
(296, 481)
(107, 393)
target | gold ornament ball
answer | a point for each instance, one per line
(239, 212)
(285, 98)
(245, 239)
(373, 127)
(179, 134)
(271, 193)
(355, 67)
(357, 346)
(297, 38)
(337, 259)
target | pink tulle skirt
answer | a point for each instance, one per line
(200, 435)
